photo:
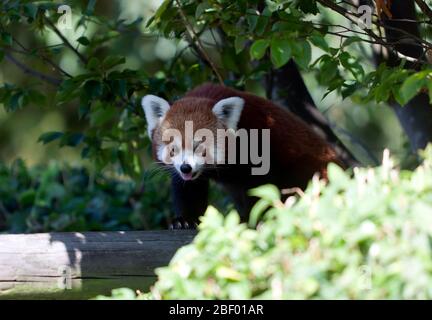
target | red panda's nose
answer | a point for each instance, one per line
(185, 168)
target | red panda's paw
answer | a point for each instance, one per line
(182, 224)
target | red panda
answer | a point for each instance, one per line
(296, 152)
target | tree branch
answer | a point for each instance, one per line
(291, 91)
(416, 116)
(425, 8)
(65, 41)
(27, 70)
(349, 15)
(190, 30)
(42, 56)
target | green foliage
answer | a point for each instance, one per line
(245, 39)
(361, 237)
(63, 198)
(44, 199)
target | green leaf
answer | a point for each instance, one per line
(351, 40)
(27, 197)
(280, 51)
(336, 174)
(352, 64)
(239, 44)
(412, 85)
(16, 101)
(302, 53)
(36, 97)
(262, 22)
(257, 211)
(252, 19)
(160, 11)
(83, 111)
(71, 139)
(308, 6)
(267, 192)
(67, 90)
(2, 54)
(30, 10)
(112, 61)
(93, 64)
(348, 90)
(273, 5)
(286, 27)
(102, 115)
(429, 85)
(93, 89)
(201, 8)
(397, 95)
(6, 38)
(319, 41)
(50, 136)
(258, 48)
(328, 68)
(83, 40)
(229, 61)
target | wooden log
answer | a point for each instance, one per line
(83, 265)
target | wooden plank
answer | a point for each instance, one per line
(82, 265)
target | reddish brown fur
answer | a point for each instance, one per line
(291, 138)
(297, 152)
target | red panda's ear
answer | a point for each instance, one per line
(155, 109)
(229, 110)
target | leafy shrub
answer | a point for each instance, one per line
(49, 198)
(361, 237)
(54, 198)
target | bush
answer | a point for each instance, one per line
(51, 198)
(362, 237)
(55, 198)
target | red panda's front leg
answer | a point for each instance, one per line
(190, 200)
(242, 201)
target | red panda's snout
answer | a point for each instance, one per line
(185, 135)
(189, 159)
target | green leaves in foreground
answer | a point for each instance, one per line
(258, 49)
(365, 237)
(414, 83)
(282, 50)
(398, 83)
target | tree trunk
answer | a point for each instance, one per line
(286, 85)
(416, 116)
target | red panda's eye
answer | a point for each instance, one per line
(173, 151)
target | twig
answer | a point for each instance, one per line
(347, 14)
(51, 80)
(295, 190)
(425, 8)
(65, 41)
(40, 55)
(190, 29)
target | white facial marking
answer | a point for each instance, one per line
(198, 151)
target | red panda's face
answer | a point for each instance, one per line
(184, 135)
